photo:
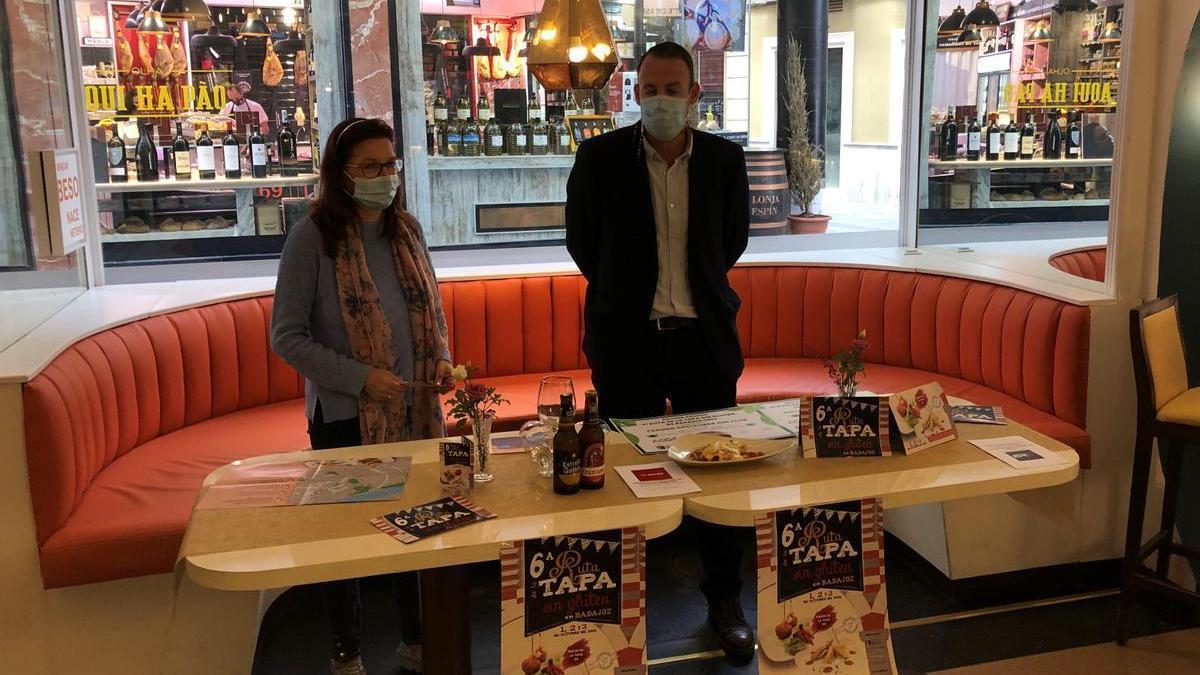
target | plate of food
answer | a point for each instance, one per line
(718, 449)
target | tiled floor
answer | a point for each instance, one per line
(294, 638)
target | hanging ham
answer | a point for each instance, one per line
(272, 68)
(177, 54)
(300, 68)
(164, 63)
(124, 54)
(144, 55)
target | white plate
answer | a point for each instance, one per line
(684, 445)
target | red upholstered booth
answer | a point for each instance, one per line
(122, 427)
(1088, 263)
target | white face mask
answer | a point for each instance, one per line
(378, 192)
(663, 117)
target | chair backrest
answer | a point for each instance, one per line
(1159, 359)
(1088, 263)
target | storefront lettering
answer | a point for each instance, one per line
(1061, 93)
(152, 98)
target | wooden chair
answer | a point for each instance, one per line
(1169, 411)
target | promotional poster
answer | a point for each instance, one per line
(831, 426)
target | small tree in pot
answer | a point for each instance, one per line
(804, 160)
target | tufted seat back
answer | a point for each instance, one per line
(1088, 263)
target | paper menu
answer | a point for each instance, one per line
(922, 417)
(1019, 452)
(661, 479)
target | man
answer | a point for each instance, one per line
(657, 214)
(236, 92)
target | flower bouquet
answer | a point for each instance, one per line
(846, 367)
(476, 402)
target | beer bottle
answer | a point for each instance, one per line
(567, 457)
(591, 439)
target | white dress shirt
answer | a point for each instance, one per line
(669, 194)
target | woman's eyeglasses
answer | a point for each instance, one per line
(377, 169)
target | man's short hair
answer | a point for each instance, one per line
(671, 50)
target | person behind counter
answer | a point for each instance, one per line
(239, 103)
(358, 314)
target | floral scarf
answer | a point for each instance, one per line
(371, 336)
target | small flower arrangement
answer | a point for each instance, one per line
(846, 366)
(473, 400)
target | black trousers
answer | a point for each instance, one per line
(680, 367)
(343, 602)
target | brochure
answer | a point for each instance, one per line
(427, 520)
(312, 482)
(921, 418)
(1018, 452)
(977, 414)
(663, 479)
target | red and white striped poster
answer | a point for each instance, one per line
(822, 595)
(574, 604)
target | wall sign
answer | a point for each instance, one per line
(57, 202)
(574, 602)
(822, 596)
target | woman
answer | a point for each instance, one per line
(358, 314)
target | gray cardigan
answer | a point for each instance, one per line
(307, 329)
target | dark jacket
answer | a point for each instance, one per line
(611, 235)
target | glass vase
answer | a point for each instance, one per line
(848, 389)
(482, 428)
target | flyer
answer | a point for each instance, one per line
(921, 418)
(831, 426)
(427, 520)
(655, 435)
(978, 414)
(822, 593)
(311, 482)
(458, 465)
(574, 604)
(663, 479)
(1018, 452)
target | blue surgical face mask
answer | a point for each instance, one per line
(376, 193)
(663, 117)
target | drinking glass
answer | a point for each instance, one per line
(539, 442)
(549, 399)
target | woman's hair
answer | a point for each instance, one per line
(333, 207)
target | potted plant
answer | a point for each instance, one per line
(805, 161)
(476, 402)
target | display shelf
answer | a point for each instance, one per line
(1046, 203)
(170, 184)
(1019, 163)
(158, 235)
(501, 162)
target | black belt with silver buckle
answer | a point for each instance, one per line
(673, 323)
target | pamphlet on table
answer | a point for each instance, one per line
(662, 479)
(574, 604)
(978, 414)
(654, 435)
(1018, 452)
(427, 520)
(822, 593)
(330, 481)
(920, 418)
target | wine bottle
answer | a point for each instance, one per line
(1028, 133)
(231, 152)
(206, 160)
(535, 108)
(591, 443)
(1074, 136)
(258, 153)
(431, 138)
(572, 108)
(117, 164)
(285, 142)
(568, 462)
(146, 154)
(974, 139)
(994, 141)
(1052, 144)
(949, 138)
(182, 154)
(1012, 141)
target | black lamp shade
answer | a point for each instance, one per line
(184, 9)
(481, 48)
(443, 33)
(135, 17)
(954, 22)
(982, 15)
(1112, 33)
(152, 22)
(971, 34)
(254, 26)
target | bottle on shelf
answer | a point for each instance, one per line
(1028, 134)
(974, 140)
(517, 139)
(441, 109)
(534, 110)
(571, 108)
(1012, 141)
(949, 145)
(591, 441)
(462, 109)
(539, 138)
(485, 109)
(589, 105)
(493, 139)
(285, 141)
(1074, 136)
(231, 153)
(118, 171)
(206, 159)
(454, 138)
(568, 462)
(1052, 143)
(471, 142)
(441, 121)
(258, 153)
(146, 154)
(181, 153)
(995, 142)
(560, 137)
(431, 138)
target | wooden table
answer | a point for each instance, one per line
(265, 548)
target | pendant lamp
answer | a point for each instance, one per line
(189, 10)
(982, 15)
(572, 47)
(971, 34)
(481, 48)
(443, 34)
(135, 17)
(1041, 33)
(254, 26)
(953, 23)
(152, 23)
(1112, 32)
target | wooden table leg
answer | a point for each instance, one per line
(445, 621)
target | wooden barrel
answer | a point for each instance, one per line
(770, 201)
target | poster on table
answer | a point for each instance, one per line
(921, 418)
(574, 604)
(832, 426)
(822, 592)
